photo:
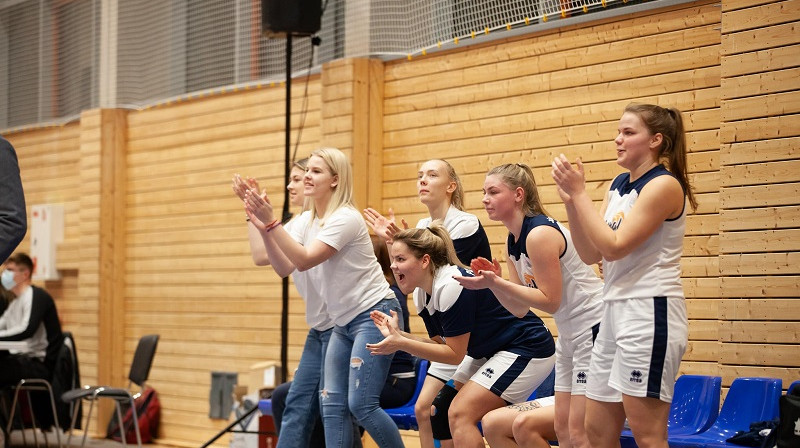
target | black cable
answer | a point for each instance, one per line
(304, 108)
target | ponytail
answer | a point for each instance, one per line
(669, 123)
(432, 240)
(457, 198)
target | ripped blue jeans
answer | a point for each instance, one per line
(354, 379)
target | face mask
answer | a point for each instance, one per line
(7, 279)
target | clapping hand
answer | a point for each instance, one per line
(258, 209)
(388, 325)
(384, 227)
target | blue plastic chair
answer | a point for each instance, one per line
(404, 416)
(749, 400)
(265, 406)
(694, 408)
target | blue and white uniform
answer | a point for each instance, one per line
(581, 308)
(470, 242)
(507, 355)
(645, 328)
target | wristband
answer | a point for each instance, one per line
(274, 225)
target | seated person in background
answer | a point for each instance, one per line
(30, 319)
(400, 383)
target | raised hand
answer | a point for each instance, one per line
(381, 320)
(393, 340)
(384, 227)
(481, 280)
(240, 185)
(481, 264)
(258, 209)
(569, 179)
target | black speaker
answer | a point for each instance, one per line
(296, 17)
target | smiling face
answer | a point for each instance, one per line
(433, 184)
(319, 182)
(500, 200)
(636, 145)
(295, 187)
(409, 271)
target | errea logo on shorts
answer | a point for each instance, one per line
(488, 372)
(581, 378)
(636, 376)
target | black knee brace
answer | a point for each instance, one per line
(439, 420)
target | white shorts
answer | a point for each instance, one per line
(442, 372)
(572, 361)
(510, 376)
(639, 349)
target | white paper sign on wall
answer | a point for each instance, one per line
(47, 230)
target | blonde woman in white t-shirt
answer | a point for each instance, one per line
(333, 240)
(301, 407)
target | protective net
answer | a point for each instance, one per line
(58, 57)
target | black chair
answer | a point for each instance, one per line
(65, 376)
(140, 370)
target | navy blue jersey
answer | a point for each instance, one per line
(453, 310)
(473, 246)
(467, 233)
(402, 361)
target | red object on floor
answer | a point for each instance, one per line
(267, 437)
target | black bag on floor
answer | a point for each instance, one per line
(787, 434)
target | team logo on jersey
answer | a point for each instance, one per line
(616, 220)
(488, 372)
(636, 376)
(581, 378)
(529, 281)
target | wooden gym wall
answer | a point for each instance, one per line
(155, 241)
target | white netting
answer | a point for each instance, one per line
(49, 56)
(50, 50)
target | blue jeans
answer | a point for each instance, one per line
(354, 379)
(302, 403)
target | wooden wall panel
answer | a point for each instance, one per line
(758, 208)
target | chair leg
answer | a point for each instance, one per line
(122, 429)
(57, 425)
(136, 423)
(28, 386)
(33, 421)
(88, 420)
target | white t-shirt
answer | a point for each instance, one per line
(316, 310)
(351, 281)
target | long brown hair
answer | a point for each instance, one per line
(519, 175)
(669, 123)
